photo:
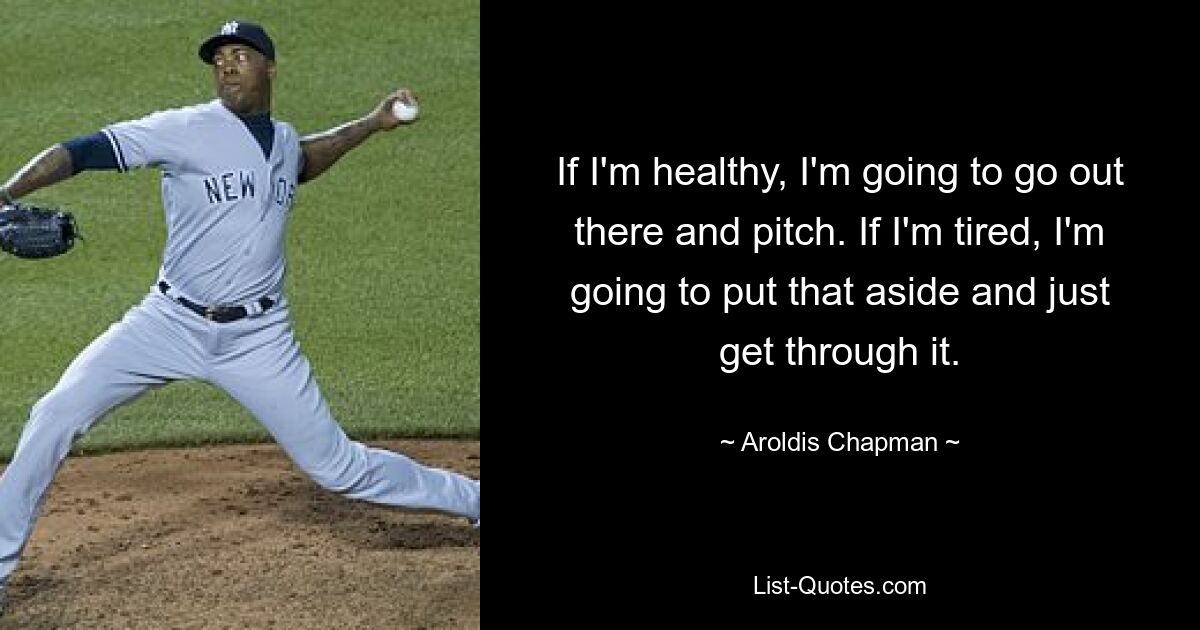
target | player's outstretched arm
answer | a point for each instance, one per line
(49, 167)
(321, 150)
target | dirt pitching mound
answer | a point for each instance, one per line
(237, 537)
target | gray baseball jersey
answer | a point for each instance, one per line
(226, 204)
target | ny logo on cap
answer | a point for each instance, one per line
(230, 28)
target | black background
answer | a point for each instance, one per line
(616, 493)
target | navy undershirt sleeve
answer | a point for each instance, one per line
(91, 153)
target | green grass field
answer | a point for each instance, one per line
(383, 249)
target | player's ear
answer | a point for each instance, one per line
(271, 70)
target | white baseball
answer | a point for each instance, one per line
(404, 111)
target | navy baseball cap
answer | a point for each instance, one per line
(247, 33)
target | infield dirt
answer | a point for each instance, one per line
(236, 537)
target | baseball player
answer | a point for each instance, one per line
(216, 312)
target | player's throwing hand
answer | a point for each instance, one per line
(398, 108)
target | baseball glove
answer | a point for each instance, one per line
(29, 231)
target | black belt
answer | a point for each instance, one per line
(219, 314)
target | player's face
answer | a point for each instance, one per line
(243, 78)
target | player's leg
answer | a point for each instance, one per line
(136, 353)
(273, 380)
